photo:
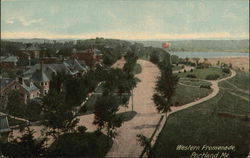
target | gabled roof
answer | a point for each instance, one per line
(4, 124)
(9, 59)
(5, 82)
(69, 66)
(28, 85)
(40, 76)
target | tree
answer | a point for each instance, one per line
(58, 116)
(15, 104)
(105, 115)
(25, 146)
(154, 58)
(165, 87)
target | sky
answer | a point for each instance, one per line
(125, 19)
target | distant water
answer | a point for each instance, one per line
(209, 54)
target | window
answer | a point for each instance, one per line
(41, 83)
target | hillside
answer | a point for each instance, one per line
(204, 45)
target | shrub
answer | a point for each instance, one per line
(185, 70)
(191, 76)
(226, 70)
(192, 64)
(212, 77)
(191, 70)
(205, 86)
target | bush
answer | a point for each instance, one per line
(226, 70)
(205, 86)
(192, 64)
(191, 76)
(212, 77)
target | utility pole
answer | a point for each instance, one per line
(132, 101)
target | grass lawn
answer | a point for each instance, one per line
(92, 100)
(194, 82)
(186, 94)
(203, 73)
(175, 68)
(201, 125)
(241, 80)
(80, 145)
(128, 115)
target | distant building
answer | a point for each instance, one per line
(90, 56)
(50, 60)
(4, 128)
(8, 61)
(32, 52)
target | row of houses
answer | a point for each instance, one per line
(35, 82)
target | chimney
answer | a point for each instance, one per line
(20, 80)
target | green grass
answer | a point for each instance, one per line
(203, 73)
(92, 100)
(137, 69)
(194, 82)
(185, 94)
(175, 68)
(126, 116)
(201, 125)
(80, 145)
(241, 80)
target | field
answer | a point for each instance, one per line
(189, 90)
(202, 125)
(203, 73)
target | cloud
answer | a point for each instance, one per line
(26, 22)
(9, 21)
(122, 35)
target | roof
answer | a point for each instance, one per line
(9, 59)
(5, 82)
(40, 76)
(4, 124)
(71, 66)
(28, 85)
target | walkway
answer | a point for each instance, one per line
(144, 122)
(215, 89)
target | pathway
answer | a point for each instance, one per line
(215, 89)
(144, 122)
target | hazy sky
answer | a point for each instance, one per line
(125, 19)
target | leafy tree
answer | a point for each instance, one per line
(154, 58)
(165, 87)
(145, 142)
(105, 115)
(58, 116)
(25, 146)
(33, 111)
(15, 104)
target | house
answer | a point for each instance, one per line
(26, 88)
(90, 56)
(41, 74)
(4, 128)
(50, 60)
(8, 61)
